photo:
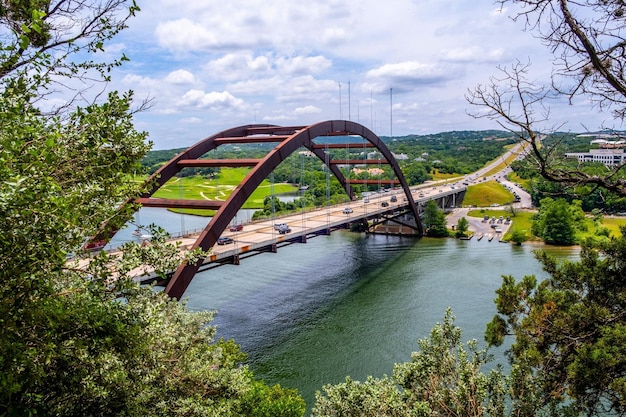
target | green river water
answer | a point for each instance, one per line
(354, 304)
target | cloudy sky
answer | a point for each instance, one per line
(398, 67)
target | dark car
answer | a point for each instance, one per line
(393, 199)
(236, 227)
(224, 240)
(384, 204)
(284, 229)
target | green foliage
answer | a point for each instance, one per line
(518, 237)
(275, 401)
(443, 378)
(554, 222)
(77, 335)
(434, 220)
(459, 152)
(569, 332)
(461, 227)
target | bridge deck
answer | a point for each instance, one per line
(260, 236)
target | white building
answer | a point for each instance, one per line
(608, 157)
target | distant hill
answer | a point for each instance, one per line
(468, 147)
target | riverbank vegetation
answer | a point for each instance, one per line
(82, 338)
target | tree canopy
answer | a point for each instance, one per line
(434, 220)
(77, 335)
(569, 331)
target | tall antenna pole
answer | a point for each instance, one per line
(391, 111)
(340, 109)
(349, 105)
(372, 111)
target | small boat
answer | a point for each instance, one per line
(490, 237)
(480, 236)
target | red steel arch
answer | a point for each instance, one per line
(288, 140)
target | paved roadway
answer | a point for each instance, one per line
(477, 225)
(259, 234)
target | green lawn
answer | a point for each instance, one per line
(486, 193)
(218, 188)
(611, 223)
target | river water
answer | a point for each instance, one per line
(354, 304)
(348, 304)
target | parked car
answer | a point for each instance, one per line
(347, 210)
(236, 227)
(224, 240)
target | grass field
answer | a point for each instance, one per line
(218, 188)
(486, 193)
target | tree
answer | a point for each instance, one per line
(587, 39)
(80, 337)
(461, 227)
(434, 220)
(443, 378)
(569, 331)
(554, 222)
(518, 237)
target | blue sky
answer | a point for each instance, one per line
(209, 65)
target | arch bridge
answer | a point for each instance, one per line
(318, 139)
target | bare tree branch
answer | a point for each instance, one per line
(588, 40)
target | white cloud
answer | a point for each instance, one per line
(208, 61)
(212, 100)
(308, 110)
(183, 35)
(180, 77)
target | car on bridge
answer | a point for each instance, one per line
(384, 204)
(393, 199)
(236, 228)
(284, 229)
(278, 226)
(224, 240)
(347, 210)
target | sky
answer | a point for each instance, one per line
(398, 67)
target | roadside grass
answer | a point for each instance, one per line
(485, 194)
(218, 188)
(513, 177)
(438, 176)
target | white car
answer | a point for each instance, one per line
(347, 210)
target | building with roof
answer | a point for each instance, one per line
(607, 156)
